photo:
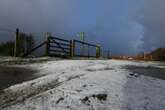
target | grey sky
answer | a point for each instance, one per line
(121, 26)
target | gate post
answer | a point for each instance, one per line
(98, 51)
(47, 48)
(72, 48)
(88, 51)
(16, 46)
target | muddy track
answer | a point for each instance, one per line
(9, 97)
(11, 75)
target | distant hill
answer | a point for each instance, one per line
(158, 54)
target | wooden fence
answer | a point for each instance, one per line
(59, 47)
(88, 45)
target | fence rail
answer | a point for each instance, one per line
(83, 44)
(55, 46)
(56, 38)
(58, 46)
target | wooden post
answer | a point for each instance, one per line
(151, 57)
(98, 51)
(47, 44)
(72, 48)
(82, 36)
(108, 54)
(88, 51)
(144, 56)
(99, 55)
(70, 52)
(16, 46)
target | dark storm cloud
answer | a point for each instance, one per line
(121, 26)
(153, 21)
(118, 29)
(35, 16)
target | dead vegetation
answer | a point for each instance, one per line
(101, 97)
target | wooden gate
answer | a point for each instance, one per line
(58, 47)
(96, 48)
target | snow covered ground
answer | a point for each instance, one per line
(87, 85)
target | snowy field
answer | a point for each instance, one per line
(87, 85)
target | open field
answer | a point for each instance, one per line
(83, 85)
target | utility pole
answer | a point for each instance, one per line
(82, 37)
(16, 46)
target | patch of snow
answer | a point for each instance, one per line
(86, 85)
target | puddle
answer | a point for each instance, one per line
(148, 71)
(14, 75)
